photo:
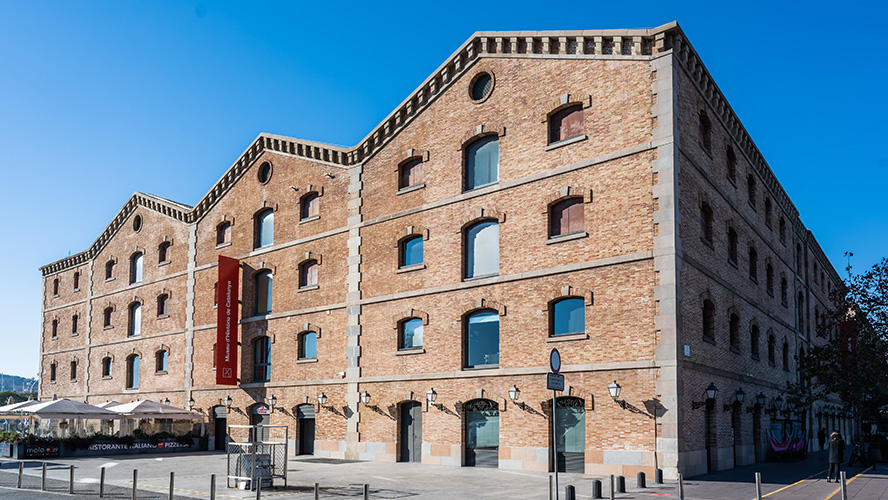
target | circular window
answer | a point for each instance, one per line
(137, 223)
(265, 172)
(481, 86)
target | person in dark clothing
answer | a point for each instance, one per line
(836, 455)
(821, 438)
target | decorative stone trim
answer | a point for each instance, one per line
(569, 291)
(478, 214)
(568, 192)
(566, 101)
(397, 318)
(312, 256)
(478, 304)
(308, 327)
(412, 231)
(488, 128)
(411, 154)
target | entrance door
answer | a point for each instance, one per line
(482, 433)
(305, 415)
(570, 437)
(735, 433)
(757, 433)
(411, 432)
(709, 434)
(220, 427)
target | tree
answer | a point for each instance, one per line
(851, 360)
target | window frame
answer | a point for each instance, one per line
(133, 372)
(469, 248)
(309, 274)
(137, 267)
(262, 366)
(163, 252)
(107, 367)
(163, 305)
(403, 252)
(269, 292)
(134, 326)
(708, 320)
(575, 208)
(223, 233)
(469, 153)
(259, 225)
(411, 168)
(402, 334)
(561, 114)
(161, 361)
(310, 206)
(73, 370)
(553, 315)
(302, 344)
(467, 333)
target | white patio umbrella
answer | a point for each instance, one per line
(107, 404)
(16, 406)
(65, 408)
(151, 409)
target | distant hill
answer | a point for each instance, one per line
(17, 384)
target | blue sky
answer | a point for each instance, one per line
(101, 99)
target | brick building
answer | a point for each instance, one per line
(591, 191)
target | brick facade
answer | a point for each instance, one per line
(640, 268)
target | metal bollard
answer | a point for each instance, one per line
(212, 487)
(640, 481)
(596, 489)
(844, 491)
(758, 486)
(71, 482)
(317, 491)
(172, 482)
(681, 486)
(658, 476)
(612, 488)
(551, 495)
(102, 483)
(570, 493)
(366, 492)
(621, 484)
(21, 471)
(258, 487)
(43, 486)
(135, 481)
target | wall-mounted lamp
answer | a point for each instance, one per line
(365, 398)
(322, 399)
(272, 401)
(759, 403)
(166, 401)
(190, 404)
(739, 397)
(514, 392)
(711, 393)
(614, 390)
(776, 406)
(228, 402)
(431, 396)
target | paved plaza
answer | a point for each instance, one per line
(343, 479)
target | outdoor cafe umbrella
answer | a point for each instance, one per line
(16, 406)
(150, 409)
(107, 404)
(64, 408)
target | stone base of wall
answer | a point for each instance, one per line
(524, 458)
(377, 452)
(330, 449)
(442, 454)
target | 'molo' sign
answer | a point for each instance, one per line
(226, 321)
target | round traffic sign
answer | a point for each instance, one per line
(555, 361)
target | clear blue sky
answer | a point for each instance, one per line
(101, 99)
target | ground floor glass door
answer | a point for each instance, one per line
(482, 433)
(570, 434)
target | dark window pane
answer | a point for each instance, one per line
(411, 173)
(263, 292)
(261, 359)
(569, 316)
(482, 342)
(412, 252)
(567, 217)
(310, 205)
(482, 162)
(309, 274)
(566, 123)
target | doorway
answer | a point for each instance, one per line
(220, 428)
(570, 437)
(482, 433)
(305, 417)
(261, 415)
(736, 436)
(410, 437)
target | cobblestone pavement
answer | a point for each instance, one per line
(343, 480)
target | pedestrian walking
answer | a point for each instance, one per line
(821, 438)
(836, 456)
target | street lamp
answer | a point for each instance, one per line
(365, 398)
(779, 402)
(272, 401)
(431, 396)
(322, 399)
(514, 392)
(739, 397)
(614, 390)
(190, 404)
(228, 402)
(711, 393)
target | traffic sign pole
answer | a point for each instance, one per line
(555, 365)
(554, 445)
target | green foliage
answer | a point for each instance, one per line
(9, 437)
(17, 397)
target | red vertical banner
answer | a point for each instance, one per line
(227, 321)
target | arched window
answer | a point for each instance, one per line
(52, 372)
(163, 252)
(310, 206)
(800, 310)
(163, 301)
(734, 331)
(136, 268)
(706, 222)
(55, 287)
(731, 164)
(482, 339)
(73, 370)
(566, 217)
(223, 233)
(754, 341)
(753, 264)
(106, 367)
(106, 317)
(786, 355)
(566, 124)
(264, 228)
(705, 132)
(262, 359)
(76, 281)
(160, 361)
(308, 274)
(782, 229)
(411, 251)
(567, 316)
(769, 279)
(750, 189)
(263, 287)
(482, 249)
(55, 328)
(135, 319)
(732, 246)
(308, 345)
(411, 173)
(109, 269)
(772, 348)
(482, 162)
(74, 320)
(798, 257)
(783, 291)
(132, 372)
(410, 334)
(708, 320)
(768, 211)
